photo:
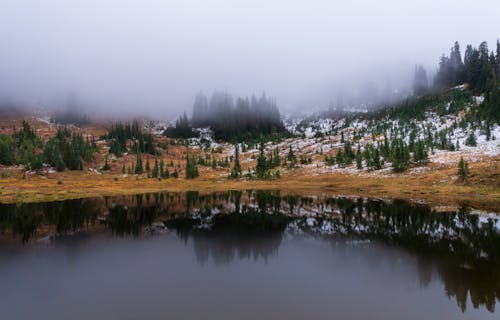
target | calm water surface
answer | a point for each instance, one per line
(246, 255)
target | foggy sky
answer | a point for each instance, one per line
(154, 56)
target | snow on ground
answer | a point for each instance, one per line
(44, 119)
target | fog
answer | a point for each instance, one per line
(152, 56)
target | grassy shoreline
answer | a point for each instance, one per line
(429, 187)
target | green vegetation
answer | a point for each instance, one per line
(463, 170)
(19, 148)
(182, 129)
(66, 150)
(236, 170)
(129, 137)
(191, 167)
(244, 120)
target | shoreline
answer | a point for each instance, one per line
(417, 189)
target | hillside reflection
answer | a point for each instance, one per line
(459, 248)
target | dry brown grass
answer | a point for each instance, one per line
(438, 186)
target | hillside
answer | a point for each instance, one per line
(308, 161)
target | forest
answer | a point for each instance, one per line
(230, 119)
(64, 150)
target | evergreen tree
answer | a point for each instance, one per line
(162, 167)
(139, 169)
(340, 159)
(262, 169)
(155, 173)
(456, 65)
(400, 155)
(60, 165)
(191, 167)
(291, 157)
(420, 84)
(463, 169)
(236, 171)
(420, 154)
(471, 140)
(359, 158)
(497, 61)
(277, 159)
(377, 163)
(106, 164)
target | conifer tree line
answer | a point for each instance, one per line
(266, 163)
(66, 150)
(396, 150)
(480, 70)
(70, 114)
(159, 169)
(231, 119)
(191, 167)
(183, 129)
(19, 148)
(478, 67)
(129, 137)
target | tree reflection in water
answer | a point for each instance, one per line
(461, 248)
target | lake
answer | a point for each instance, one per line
(246, 255)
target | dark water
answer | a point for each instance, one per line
(246, 255)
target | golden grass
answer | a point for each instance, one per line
(438, 186)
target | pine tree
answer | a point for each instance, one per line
(60, 165)
(106, 164)
(400, 155)
(456, 65)
(262, 169)
(162, 167)
(277, 159)
(175, 174)
(497, 60)
(420, 84)
(463, 169)
(139, 169)
(340, 159)
(359, 158)
(348, 153)
(471, 140)
(420, 154)
(291, 157)
(236, 171)
(155, 173)
(148, 168)
(191, 167)
(377, 163)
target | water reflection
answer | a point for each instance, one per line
(459, 248)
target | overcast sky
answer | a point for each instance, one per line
(156, 55)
